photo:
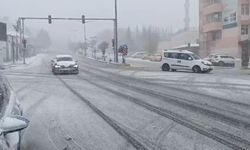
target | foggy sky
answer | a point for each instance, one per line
(161, 13)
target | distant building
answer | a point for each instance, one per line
(186, 38)
(180, 39)
(224, 28)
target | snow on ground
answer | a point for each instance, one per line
(57, 115)
(223, 82)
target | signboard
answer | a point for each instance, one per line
(230, 13)
(3, 32)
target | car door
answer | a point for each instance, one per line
(185, 61)
(172, 60)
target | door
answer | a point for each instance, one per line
(185, 61)
(173, 60)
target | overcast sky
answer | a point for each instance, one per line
(161, 13)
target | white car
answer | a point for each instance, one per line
(173, 60)
(64, 64)
(222, 60)
(140, 55)
(11, 120)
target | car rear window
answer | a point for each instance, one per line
(172, 55)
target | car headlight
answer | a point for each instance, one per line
(75, 66)
(206, 63)
(57, 66)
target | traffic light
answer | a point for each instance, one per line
(50, 19)
(83, 19)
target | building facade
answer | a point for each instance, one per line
(224, 28)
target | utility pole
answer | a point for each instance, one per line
(50, 18)
(85, 41)
(23, 41)
(187, 18)
(13, 48)
(116, 33)
(20, 35)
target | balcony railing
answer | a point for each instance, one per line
(213, 8)
(214, 26)
(245, 37)
(211, 2)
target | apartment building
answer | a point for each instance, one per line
(224, 28)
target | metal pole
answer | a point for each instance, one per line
(13, 49)
(24, 61)
(85, 40)
(85, 34)
(20, 37)
(116, 33)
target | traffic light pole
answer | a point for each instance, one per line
(115, 20)
(116, 33)
(23, 39)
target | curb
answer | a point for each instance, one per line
(111, 63)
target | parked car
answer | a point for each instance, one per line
(154, 57)
(140, 55)
(64, 64)
(173, 60)
(11, 121)
(221, 60)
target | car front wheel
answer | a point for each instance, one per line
(165, 67)
(221, 63)
(196, 69)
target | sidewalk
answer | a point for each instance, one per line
(107, 62)
(10, 64)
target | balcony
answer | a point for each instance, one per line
(245, 38)
(245, 19)
(213, 26)
(213, 8)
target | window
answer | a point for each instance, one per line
(244, 9)
(196, 57)
(184, 56)
(244, 30)
(173, 55)
(210, 2)
(215, 17)
(223, 56)
(216, 35)
(166, 55)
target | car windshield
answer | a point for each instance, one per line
(64, 59)
(126, 74)
(195, 57)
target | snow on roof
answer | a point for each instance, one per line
(186, 45)
(178, 51)
(12, 33)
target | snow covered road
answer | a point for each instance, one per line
(92, 112)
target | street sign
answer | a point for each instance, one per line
(3, 32)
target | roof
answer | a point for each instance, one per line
(186, 46)
(178, 51)
(59, 56)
